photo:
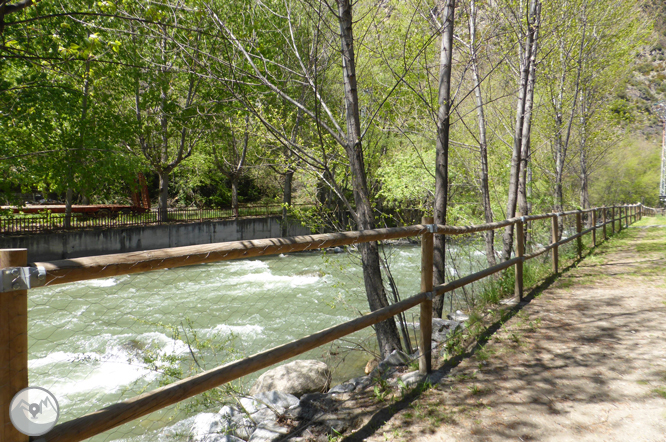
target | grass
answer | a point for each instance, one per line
(661, 391)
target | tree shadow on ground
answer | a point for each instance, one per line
(584, 348)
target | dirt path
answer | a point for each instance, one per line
(583, 361)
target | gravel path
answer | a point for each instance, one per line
(583, 361)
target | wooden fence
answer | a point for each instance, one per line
(14, 310)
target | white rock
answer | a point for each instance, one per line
(228, 411)
(296, 378)
(211, 427)
(412, 378)
(397, 358)
(458, 316)
(268, 432)
(277, 400)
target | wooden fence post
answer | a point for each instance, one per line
(613, 220)
(520, 251)
(554, 237)
(594, 227)
(425, 360)
(619, 227)
(603, 219)
(579, 228)
(13, 344)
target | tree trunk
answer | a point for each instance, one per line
(526, 58)
(489, 236)
(584, 173)
(81, 145)
(525, 149)
(387, 332)
(234, 195)
(584, 192)
(442, 150)
(163, 211)
(68, 208)
(286, 201)
(559, 172)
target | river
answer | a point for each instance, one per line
(96, 342)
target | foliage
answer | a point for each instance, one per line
(91, 96)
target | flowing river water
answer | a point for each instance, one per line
(96, 342)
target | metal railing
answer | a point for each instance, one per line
(13, 302)
(46, 221)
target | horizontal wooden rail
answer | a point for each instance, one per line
(118, 264)
(79, 269)
(93, 267)
(463, 230)
(114, 415)
(444, 288)
(540, 251)
(576, 236)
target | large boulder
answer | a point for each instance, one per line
(297, 378)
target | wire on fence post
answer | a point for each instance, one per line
(554, 237)
(520, 251)
(13, 344)
(425, 359)
(579, 228)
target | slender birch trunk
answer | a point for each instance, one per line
(483, 138)
(523, 86)
(442, 149)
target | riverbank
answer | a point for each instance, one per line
(583, 360)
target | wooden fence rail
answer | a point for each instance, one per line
(13, 328)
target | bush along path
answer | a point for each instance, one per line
(583, 360)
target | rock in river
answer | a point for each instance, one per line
(297, 378)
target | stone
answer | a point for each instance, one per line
(228, 411)
(241, 426)
(412, 378)
(268, 432)
(342, 388)
(242, 423)
(458, 316)
(211, 427)
(312, 404)
(276, 401)
(397, 358)
(360, 383)
(296, 378)
(371, 365)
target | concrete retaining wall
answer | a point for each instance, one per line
(63, 245)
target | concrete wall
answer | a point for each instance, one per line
(63, 245)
